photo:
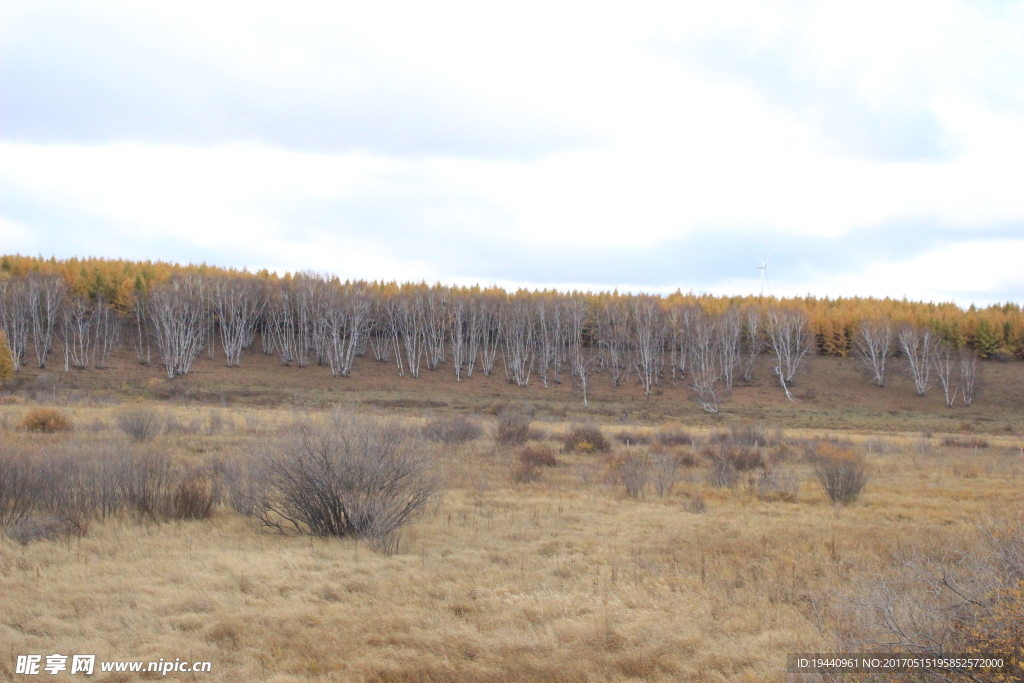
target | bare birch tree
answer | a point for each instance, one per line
(459, 332)
(47, 294)
(730, 337)
(649, 340)
(435, 319)
(237, 302)
(968, 374)
(918, 346)
(790, 337)
(491, 333)
(754, 342)
(141, 338)
(613, 336)
(412, 325)
(15, 317)
(518, 339)
(945, 362)
(347, 317)
(76, 333)
(378, 334)
(581, 357)
(873, 345)
(280, 321)
(106, 327)
(705, 360)
(179, 322)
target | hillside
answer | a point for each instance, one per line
(832, 393)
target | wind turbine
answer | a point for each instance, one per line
(764, 273)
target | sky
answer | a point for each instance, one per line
(861, 149)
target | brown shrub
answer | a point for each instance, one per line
(586, 439)
(958, 442)
(525, 471)
(193, 497)
(138, 424)
(47, 420)
(675, 437)
(633, 438)
(47, 528)
(452, 430)
(633, 472)
(841, 473)
(538, 457)
(513, 429)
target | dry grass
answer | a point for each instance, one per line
(564, 579)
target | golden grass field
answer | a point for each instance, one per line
(563, 579)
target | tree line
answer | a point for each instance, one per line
(74, 314)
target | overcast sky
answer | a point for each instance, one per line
(869, 148)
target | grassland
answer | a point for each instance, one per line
(562, 579)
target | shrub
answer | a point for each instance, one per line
(776, 484)
(538, 457)
(633, 438)
(193, 497)
(18, 488)
(722, 472)
(742, 435)
(666, 472)
(513, 429)
(841, 473)
(675, 437)
(958, 442)
(633, 472)
(138, 424)
(697, 505)
(47, 420)
(525, 470)
(586, 439)
(452, 430)
(355, 476)
(40, 528)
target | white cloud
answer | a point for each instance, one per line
(546, 143)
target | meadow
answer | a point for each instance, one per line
(535, 562)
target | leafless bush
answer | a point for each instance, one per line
(540, 456)
(586, 439)
(675, 437)
(47, 420)
(967, 598)
(513, 429)
(633, 472)
(525, 470)
(665, 470)
(722, 470)
(146, 479)
(841, 473)
(743, 435)
(40, 528)
(138, 424)
(247, 483)
(960, 442)
(697, 505)
(18, 488)
(354, 476)
(193, 497)
(215, 424)
(778, 484)
(452, 430)
(633, 438)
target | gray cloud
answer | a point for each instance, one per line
(902, 128)
(80, 77)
